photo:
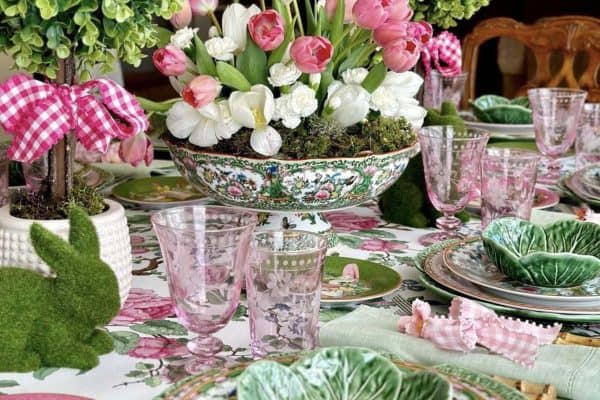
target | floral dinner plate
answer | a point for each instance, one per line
(469, 261)
(221, 384)
(375, 280)
(432, 264)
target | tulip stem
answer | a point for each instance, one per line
(297, 10)
(262, 5)
(345, 33)
(215, 22)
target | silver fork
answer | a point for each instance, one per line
(403, 306)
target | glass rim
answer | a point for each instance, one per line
(556, 90)
(423, 131)
(253, 218)
(521, 153)
(460, 75)
(322, 242)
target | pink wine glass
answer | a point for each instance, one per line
(555, 120)
(451, 160)
(205, 249)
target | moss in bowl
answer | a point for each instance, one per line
(500, 110)
(562, 254)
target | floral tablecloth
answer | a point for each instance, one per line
(149, 342)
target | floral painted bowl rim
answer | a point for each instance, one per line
(169, 140)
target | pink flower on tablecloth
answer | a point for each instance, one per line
(151, 347)
(143, 305)
(348, 222)
(382, 245)
(136, 242)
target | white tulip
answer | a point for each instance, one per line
(255, 109)
(347, 104)
(183, 37)
(266, 141)
(235, 23)
(394, 97)
(354, 75)
(283, 74)
(221, 48)
(203, 127)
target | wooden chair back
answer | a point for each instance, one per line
(568, 35)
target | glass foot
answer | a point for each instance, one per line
(436, 237)
(197, 365)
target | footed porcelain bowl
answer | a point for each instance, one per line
(562, 254)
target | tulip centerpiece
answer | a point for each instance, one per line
(295, 113)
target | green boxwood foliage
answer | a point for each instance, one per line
(36, 33)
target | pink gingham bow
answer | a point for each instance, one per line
(443, 52)
(469, 323)
(39, 114)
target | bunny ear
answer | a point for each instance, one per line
(82, 234)
(50, 247)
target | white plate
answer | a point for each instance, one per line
(505, 131)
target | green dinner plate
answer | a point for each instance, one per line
(157, 192)
(221, 384)
(375, 280)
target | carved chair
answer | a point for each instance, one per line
(568, 35)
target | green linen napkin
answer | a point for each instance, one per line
(574, 370)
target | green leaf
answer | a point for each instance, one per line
(136, 374)
(337, 25)
(144, 366)
(323, 25)
(269, 379)
(42, 373)
(48, 8)
(352, 60)
(252, 62)
(231, 77)
(277, 54)
(164, 36)
(374, 233)
(374, 78)
(326, 80)
(153, 381)
(351, 241)
(204, 62)
(160, 327)
(124, 341)
(62, 51)
(311, 20)
(8, 383)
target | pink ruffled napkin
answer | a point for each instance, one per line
(469, 324)
(443, 52)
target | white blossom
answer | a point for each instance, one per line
(220, 48)
(354, 75)
(213, 32)
(348, 104)
(183, 37)
(314, 80)
(283, 74)
(394, 98)
(235, 23)
(291, 108)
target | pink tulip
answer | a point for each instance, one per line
(136, 149)
(421, 31)
(331, 6)
(267, 29)
(390, 31)
(182, 18)
(398, 10)
(203, 7)
(170, 61)
(401, 55)
(311, 54)
(369, 14)
(201, 91)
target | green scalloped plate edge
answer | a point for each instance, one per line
(456, 375)
(448, 294)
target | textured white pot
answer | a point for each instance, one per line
(115, 246)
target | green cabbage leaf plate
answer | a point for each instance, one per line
(500, 110)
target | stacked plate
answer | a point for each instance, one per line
(585, 184)
(462, 268)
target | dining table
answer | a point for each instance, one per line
(150, 343)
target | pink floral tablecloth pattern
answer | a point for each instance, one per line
(149, 342)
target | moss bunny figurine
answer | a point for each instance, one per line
(52, 321)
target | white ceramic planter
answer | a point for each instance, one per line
(115, 246)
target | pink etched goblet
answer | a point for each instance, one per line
(507, 184)
(555, 120)
(451, 161)
(587, 144)
(283, 283)
(205, 249)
